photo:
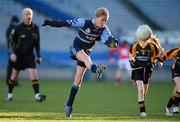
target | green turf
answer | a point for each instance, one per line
(95, 101)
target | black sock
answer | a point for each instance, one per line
(177, 104)
(94, 68)
(11, 84)
(171, 102)
(72, 96)
(177, 99)
(35, 85)
(141, 106)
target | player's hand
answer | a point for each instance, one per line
(46, 22)
(162, 49)
(160, 64)
(113, 44)
(155, 61)
(39, 60)
(131, 59)
(13, 57)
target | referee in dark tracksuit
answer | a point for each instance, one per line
(26, 38)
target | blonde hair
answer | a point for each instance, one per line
(102, 12)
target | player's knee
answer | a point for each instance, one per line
(13, 77)
(176, 80)
(178, 90)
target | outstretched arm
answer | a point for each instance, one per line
(169, 54)
(65, 23)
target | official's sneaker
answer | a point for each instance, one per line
(68, 110)
(40, 98)
(9, 97)
(101, 70)
(143, 114)
(175, 110)
(169, 111)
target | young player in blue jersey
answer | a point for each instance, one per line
(91, 30)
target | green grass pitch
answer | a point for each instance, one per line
(96, 101)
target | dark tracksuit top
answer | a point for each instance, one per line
(25, 40)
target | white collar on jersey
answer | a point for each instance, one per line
(94, 22)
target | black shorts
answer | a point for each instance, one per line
(175, 70)
(24, 61)
(75, 50)
(142, 73)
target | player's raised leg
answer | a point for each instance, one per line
(82, 56)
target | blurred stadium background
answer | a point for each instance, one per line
(125, 16)
(96, 101)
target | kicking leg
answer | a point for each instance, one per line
(82, 56)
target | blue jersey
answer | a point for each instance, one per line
(88, 34)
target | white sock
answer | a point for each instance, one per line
(37, 96)
(10, 95)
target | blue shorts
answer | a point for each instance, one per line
(74, 50)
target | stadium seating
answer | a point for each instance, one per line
(164, 12)
(55, 41)
(120, 17)
(48, 35)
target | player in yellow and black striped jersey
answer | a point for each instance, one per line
(143, 53)
(174, 100)
(155, 40)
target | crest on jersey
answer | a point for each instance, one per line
(88, 30)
